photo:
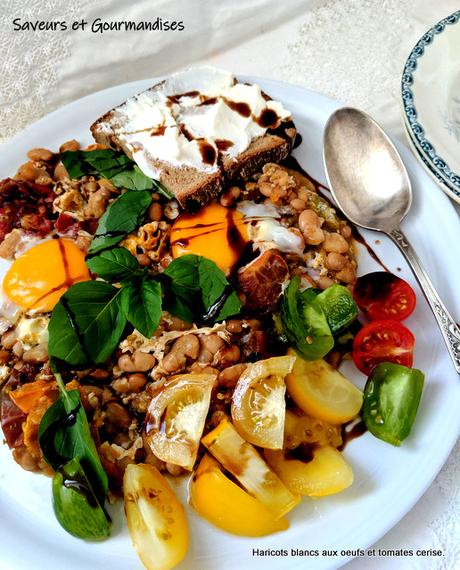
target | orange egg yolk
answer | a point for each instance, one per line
(215, 232)
(37, 278)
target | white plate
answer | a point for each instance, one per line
(388, 480)
(431, 100)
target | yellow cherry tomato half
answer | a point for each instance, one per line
(176, 416)
(323, 392)
(302, 429)
(156, 519)
(244, 462)
(258, 404)
(326, 474)
(226, 505)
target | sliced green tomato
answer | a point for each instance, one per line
(176, 417)
(222, 502)
(242, 460)
(258, 404)
(326, 473)
(75, 504)
(339, 307)
(391, 399)
(156, 519)
(304, 322)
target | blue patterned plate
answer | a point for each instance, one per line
(431, 101)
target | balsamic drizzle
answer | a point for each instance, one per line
(351, 430)
(210, 315)
(79, 485)
(75, 327)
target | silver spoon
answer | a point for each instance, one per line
(371, 186)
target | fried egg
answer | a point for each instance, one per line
(222, 234)
(37, 278)
(215, 232)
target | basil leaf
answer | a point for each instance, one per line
(106, 162)
(114, 265)
(64, 339)
(213, 285)
(76, 506)
(116, 166)
(64, 434)
(177, 306)
(87, 323)
(141, 304)
(132, 179)
(122, 217)
(158, 187)
(73, 163)
(196, 284)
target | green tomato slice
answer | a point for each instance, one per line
(305, 323)
(391, 399)
(75, 504)
(339, 307)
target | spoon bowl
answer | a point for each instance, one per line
(371, 186)
(366, 175)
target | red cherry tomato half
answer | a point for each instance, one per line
(382, 295)
(383, 341)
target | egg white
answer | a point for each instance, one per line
(266, 231)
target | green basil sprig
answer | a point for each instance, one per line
(66, 443)
(123, 216)
(197, 290)
(88, 322)
(141, 295)
(116, 166)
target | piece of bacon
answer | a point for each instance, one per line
(67, 224)
(26, 205)
(11, 416)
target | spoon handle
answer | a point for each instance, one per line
(449, 329)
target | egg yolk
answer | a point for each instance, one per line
(37, 278)
(215, 232)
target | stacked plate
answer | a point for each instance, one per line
(431, 102)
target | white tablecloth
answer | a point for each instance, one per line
(351, 50)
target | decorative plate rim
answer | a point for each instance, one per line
(428, 168)
(415, 128)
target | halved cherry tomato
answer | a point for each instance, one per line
(382, 295)
(226, 505)
(176, 416)
(322, 392)
(156, 519)
(258, 404)
(383, 341)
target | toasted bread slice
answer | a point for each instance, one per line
(192, 186)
